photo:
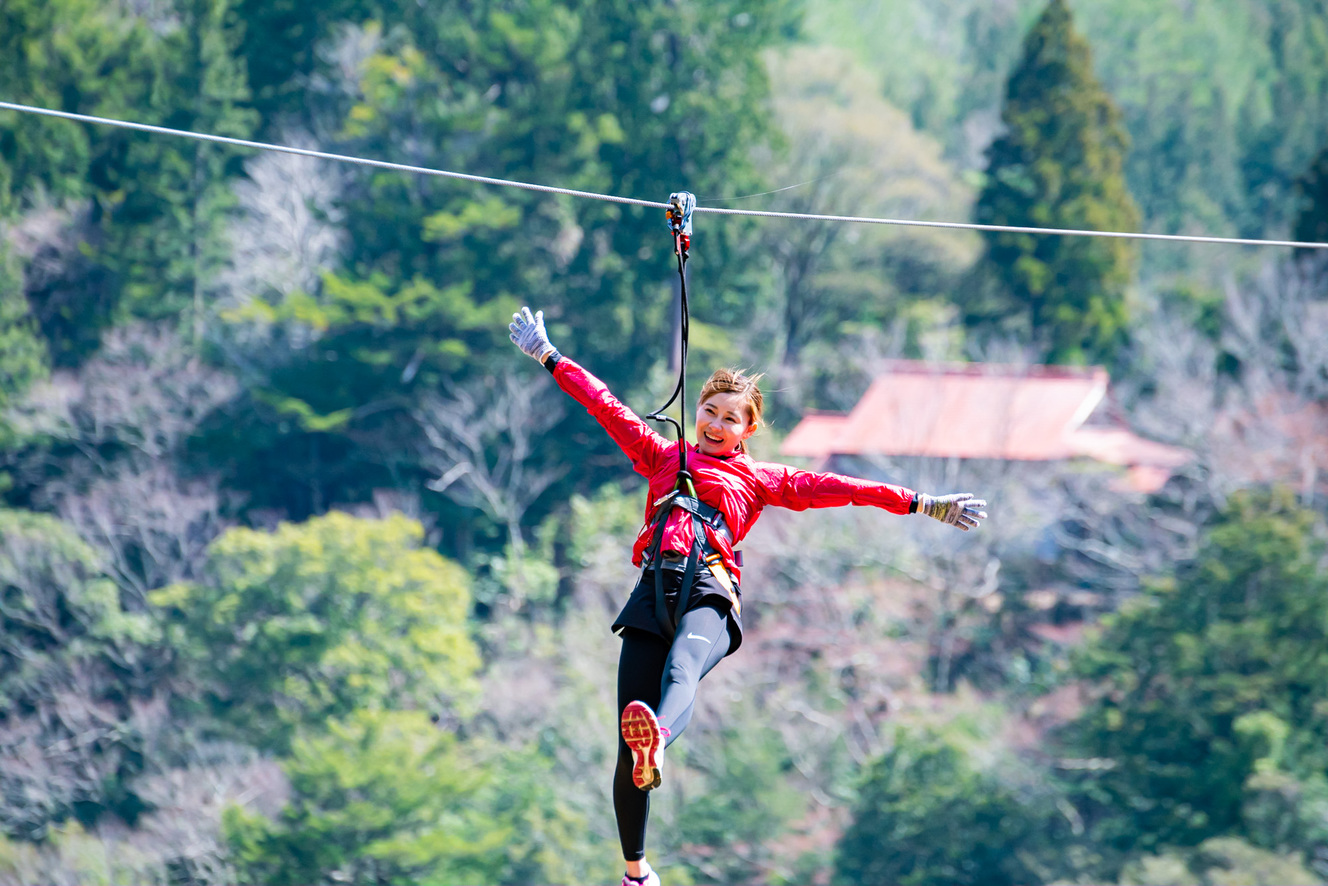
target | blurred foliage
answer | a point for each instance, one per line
(76, 673)
(1057, 165)
(937, 808)
(1221, 861)
(855, 154)
(72, 855)
(146, 212)
(382, 798)
(388, 797)
(1225, 103)
(1199, 756)
(722, 830)
(22, 350)
(1312, 188)
(321, 619)
(1210, 684)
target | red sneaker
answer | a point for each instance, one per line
(645, 737)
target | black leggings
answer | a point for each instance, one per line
(663, 676)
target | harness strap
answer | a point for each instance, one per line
(668, 621)
(681, 205)
(702, 515)
(712, 517)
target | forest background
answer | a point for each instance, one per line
(306, 574)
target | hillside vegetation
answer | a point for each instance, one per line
(306, 573)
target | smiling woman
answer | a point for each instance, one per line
(729, 412)
(684, 614)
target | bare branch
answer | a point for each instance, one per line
(288, 231)
(482, 442)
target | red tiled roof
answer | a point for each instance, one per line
(981, 411)
(816, 435)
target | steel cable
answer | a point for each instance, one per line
(611, 198)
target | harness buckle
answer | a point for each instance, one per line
(664, 498)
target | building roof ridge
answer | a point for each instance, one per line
(901, 366)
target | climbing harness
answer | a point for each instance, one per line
(679, 214)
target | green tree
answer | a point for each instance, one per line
(388, 797)
(80, 51)
(1058, 164)
(381, 798)
(622, 97)
(929, 813)
(280, 49)
(81, 56)
(859, 155)
(1208, 680)
(1289, 124)
(321, 619)
(1221, 861)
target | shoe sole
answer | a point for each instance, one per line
(641, 732)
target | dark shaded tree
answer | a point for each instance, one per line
(926, 815)
(1206, 680)
(280, 46)
(169, 200)
(1312, 219)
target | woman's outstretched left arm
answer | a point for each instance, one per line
(790, 488)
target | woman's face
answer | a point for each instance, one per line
(722, 422)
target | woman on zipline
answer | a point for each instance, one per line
(684, 614)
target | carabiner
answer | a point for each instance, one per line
(679, 213)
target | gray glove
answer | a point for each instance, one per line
(528, 334)
(960, 509)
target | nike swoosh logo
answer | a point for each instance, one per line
(691, 636)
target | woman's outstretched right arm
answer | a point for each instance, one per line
(640, 442)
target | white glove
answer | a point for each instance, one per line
(528, 334)
(960, 509)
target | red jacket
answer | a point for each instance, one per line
(740, 487)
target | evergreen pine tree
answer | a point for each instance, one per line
(1059, 164)
(164, 236)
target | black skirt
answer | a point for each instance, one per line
(639, 611)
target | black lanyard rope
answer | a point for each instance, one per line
(679, 213)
